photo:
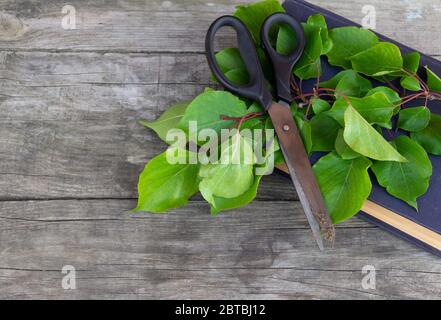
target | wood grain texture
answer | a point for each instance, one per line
(180, 25)
(71, 151)
(71, 121)
(253, 253)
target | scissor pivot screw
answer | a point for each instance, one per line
(286, 128)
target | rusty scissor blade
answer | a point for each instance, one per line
(301, 172)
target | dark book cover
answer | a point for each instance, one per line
(429, 215)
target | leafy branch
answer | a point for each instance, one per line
(344, 117)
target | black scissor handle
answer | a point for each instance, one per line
(256, 89)
(283, 64)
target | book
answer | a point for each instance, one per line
(421, 228)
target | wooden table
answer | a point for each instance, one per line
(71, 151)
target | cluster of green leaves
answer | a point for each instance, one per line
(227, 183)
(345, 117)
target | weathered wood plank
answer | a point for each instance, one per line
(110, 26)
(69, 121)
(180, 25)
(68, 130)
(413, 23)
(263, 251)
(53, 103)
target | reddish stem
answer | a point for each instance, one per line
(422, 83)
(326, 89)
(308, 109)
(318, 92)
(412, 97)
(326, 95)
(243, 119)
(435, 94)
(294, 86)
(347, 100)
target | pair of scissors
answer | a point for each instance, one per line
(286, 129)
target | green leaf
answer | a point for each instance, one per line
(410, 83)
(230, 59)
(382, 59)
(305, 132)
(278, 154)
(295, 109)
(167, 121)
(324, 132)
(255, 107)
(319, 21)
(430, 138)
(309, 65)
(348, 83)
(345, 185)
(208, 108)
(233, 175)
(391, 95)
(364, 139)
(267, 167)
(376, 109)
(353, 85)
(414, 119)
(251, 137)
(252, 124)
(238, 76)
(411, 62)
(378, 129)
(164, 186)
(317, 43)
(286, 40)
(224, 204)
(231, 64)
(433, 80)
(333, 82)
(279, 158)
(406, 181)
(342, 148)
(255, 14)
(347, 42)
(320, 105)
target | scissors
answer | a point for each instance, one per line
(286, 129)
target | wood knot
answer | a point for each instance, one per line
(11, 27)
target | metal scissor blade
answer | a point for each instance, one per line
(315, 227)
(301, 173)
